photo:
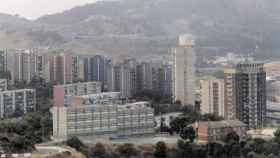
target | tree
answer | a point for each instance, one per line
(232, 136)
(232, 145)
(271, 148)
(277, 135)
(211, 117)
(188, 134)
(75, 143)
(20, 144)
(245, 151)
(162, 124)
(161, 150)
(47, 126)
(179, 123)
(184, 149)
(98, 150)
(199, 151)
(233, 148)
(178, 102)
(258, 145)
(5, 75)
(215, 150)
(127, 150)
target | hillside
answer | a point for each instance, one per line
(148, 27)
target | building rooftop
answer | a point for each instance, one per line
(273, 106)
(186, 40)
(222, 124)
(100, 95)
(230, 70)
(266, 133)
(17, 90)
(74, 84)
(135, 105)
(210, 78)
(250, 63)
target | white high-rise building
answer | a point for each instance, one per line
(183, 78)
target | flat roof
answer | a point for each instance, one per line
(17, 90)
(273, 106)
(97, 95)
(128, 105)
(74, 84)
(221, 124)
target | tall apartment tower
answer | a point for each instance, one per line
(64, 68)
(183, 77)
(98, 68)
(144, 76)
(230, 79)
(212, 96)
(21, 65)
(245, 94)
(147, 76)
(124, 75)
(3, 60)
(165, 80)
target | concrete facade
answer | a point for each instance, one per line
(62, 93)
(99, 99)
(245, 94)
(110, 120)
(183, 78)
(3, 85)
(212, 96)
(215, 131)
(17, 102)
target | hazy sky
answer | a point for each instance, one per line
(34, 8)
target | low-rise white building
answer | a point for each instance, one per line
(110, 120)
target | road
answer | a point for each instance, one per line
(49, 150)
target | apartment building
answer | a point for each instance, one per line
(106, 120)
(214, 131)
(62, 93)
(183, 70)
(3, 85)
(3, 60)
(144, 72)
(230, 82)
(62, 68)
(165, 80)
(245, 94)
(212, 96)
(125, 78)
(17, 102)
(95, 68)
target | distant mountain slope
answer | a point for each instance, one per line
(17, 32)
(152, 25)
(146, 27)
